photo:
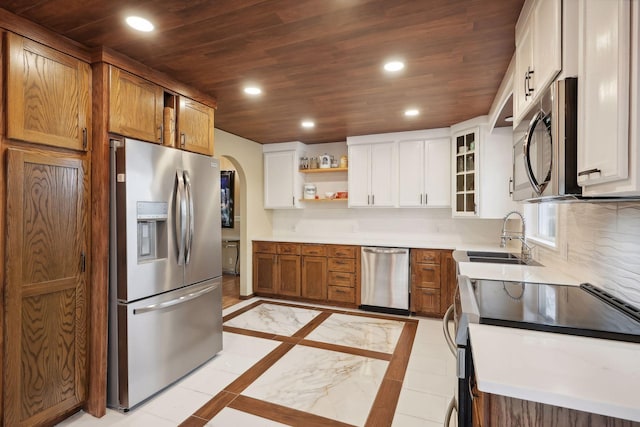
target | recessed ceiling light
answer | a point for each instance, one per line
(307, 124)
(140, 24)
(394, 66)
(252, 90)
(412, 112)
(508, 119)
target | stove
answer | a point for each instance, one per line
(583, 310)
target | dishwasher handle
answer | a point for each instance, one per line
(390, 251)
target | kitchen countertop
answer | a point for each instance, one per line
(517, 273)
(358, 240)
(586, 374)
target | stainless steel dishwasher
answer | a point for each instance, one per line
(385, 280)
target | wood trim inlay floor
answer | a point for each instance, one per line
(383, 408)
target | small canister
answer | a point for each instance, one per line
(344, 162)
(313, 163)
(309, 191)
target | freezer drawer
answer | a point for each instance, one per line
(162, 338)
(385, 279)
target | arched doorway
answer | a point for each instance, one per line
(233, 235)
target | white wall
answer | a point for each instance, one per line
(419, 226)
(603, 246)
(246, 156)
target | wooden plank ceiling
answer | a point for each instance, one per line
(317, 59)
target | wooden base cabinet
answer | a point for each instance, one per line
(344, 269)
(46, 294)
(323, 273)
(432, 281)
(314, 272)
(495, 410)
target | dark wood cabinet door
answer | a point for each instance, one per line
(448, 282)
(49, 94)
(426, 275)
(135, 106)
(426, 300)
(314, 277)
(289, 275)
(46, 295)
(195, 127)
(264, 273)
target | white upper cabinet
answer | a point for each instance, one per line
(538, 51)
(424, 173)
(482, 167)
(608, 97)
(282, 181)
(372, 175)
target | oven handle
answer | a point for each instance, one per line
(453, 404)
(445, 329)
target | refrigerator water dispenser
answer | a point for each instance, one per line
(152, 230)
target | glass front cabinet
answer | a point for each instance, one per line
(465, 165)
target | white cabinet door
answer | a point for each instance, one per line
(411, 169)
(359, 193)
(547, 43)
(383, 177)
(538, 53)
(603, 91)
(437, 173)
(279, 180)
(523, 80)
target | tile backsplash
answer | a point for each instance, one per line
(603, 246)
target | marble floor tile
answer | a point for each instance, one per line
(322, 382)
(274, 319)
(244, 345)
(361, 332)
(439, 384)
(176, 403)
(422, 405)
(401, 420)
(230, 417)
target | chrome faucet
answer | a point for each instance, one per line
(525, 250)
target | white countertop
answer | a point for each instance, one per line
(359, 240)
(518, 273)
(586, 374)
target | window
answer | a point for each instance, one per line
(542, 219)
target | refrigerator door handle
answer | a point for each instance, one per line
(181, 217)
(191, 225)
(173, 302)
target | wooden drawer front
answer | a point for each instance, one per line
(337, 278)
(342, 294)
(425, 276)
(343, 251)
(264, 247)
(425, 256)
(340, 264)
(426, 300)
(288, 248)
(314, 250)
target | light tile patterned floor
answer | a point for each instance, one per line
(303, 371)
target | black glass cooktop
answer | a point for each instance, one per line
(584, 310)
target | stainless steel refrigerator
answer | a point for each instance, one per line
(165, 313)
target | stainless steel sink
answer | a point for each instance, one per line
(499, 258)
(501, 255)
(515, 261)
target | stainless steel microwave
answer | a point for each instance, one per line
(545, 147)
